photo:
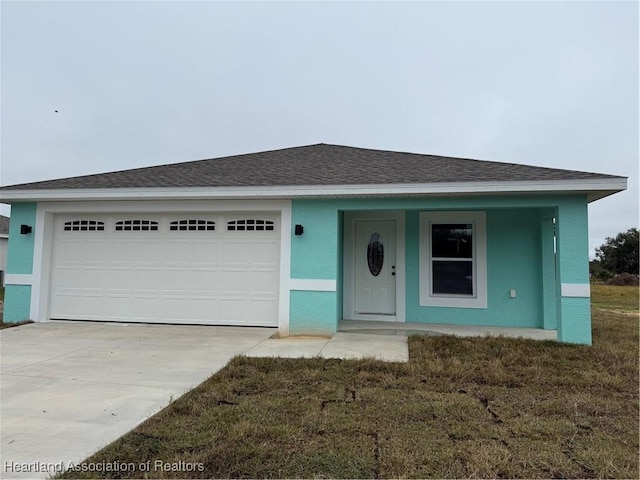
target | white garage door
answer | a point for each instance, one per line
(220, 269)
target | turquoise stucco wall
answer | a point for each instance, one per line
(315, 256)
(314, 313)
(20, 254)
(17, 303)
(314, 253)
(17, 298)
(517, 249)
(513, 262)
(575, 324)
(572, 266)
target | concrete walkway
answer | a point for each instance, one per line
(344, 345)
(69, 388)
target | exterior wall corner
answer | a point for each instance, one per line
(20, 260)
(572, 268)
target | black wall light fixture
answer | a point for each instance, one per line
(25, 229)
(299, 230)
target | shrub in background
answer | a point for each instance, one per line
(624, 279)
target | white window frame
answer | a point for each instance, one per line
(479, 298)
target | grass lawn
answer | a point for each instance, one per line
(490, 407)
(610, 297)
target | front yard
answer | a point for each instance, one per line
(462, 407)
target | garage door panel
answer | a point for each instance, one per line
(120, 279)
(264, 254)
(116, 307)
(92, 307)
(235, 281)
(148, 280)
(204, 282)
(135, 252)
(146, 308)
(236, 253)
(202, 308)
(90, 278)
(264, 282)
(206, 253)
(266, 308)
(81, 252)
(177, 281)
(70, 278)
(172, 274)
(234, 308)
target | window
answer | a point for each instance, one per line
(375, 254)
(136, 225)
(236, 225)
(453, 270)
(452, 258)
(192, 225)
(83, 226)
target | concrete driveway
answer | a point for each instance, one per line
(69, 388)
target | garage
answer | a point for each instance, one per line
(189, 268)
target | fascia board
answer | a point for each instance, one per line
(596, 188)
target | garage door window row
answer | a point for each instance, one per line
(136, 225)
(192, 225)
(243, 225)
(84, 226)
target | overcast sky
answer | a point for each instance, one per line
(144, 83)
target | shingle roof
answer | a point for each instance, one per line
(4, 225)
(319, 164)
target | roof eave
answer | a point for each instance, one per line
(594, 188)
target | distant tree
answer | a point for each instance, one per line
(597, 272)
(620, 254)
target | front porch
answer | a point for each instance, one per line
(413, 328)
(512, 266)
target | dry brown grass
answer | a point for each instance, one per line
(617, 298)
(462, 407)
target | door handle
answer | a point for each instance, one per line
(393, 270)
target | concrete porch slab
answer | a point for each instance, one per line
(411, 328)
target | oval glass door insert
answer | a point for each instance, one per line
(375, 254)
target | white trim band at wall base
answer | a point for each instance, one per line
(312, 285)
(581, 290)
(18, 279)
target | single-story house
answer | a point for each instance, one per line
(301, 238)
(4, 243)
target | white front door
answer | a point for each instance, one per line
(375, 267)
